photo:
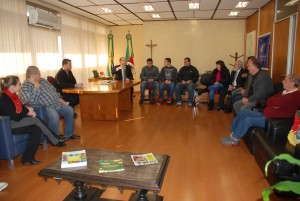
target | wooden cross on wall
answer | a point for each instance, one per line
(151, 45)
(235, 57)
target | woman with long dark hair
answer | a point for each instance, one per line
(219, 80)
(24, 119)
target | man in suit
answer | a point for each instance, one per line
(123, 72)
(66, 79)
(259, 89)
(238, 78)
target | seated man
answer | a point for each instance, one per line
(65, 79)
(168, 77)
(238, 78)
(123, 72)
(187, 77)
(149, 77)
(38, 91)
(282, 105)
(258, 89)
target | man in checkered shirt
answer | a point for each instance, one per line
(38, 91)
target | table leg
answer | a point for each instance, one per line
(143, 196)
(79, 191)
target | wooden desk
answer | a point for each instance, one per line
(142, 178)
(92, 79)
(103, 102)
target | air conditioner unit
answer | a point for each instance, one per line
(42, 18)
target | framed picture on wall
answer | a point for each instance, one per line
(250, 43)
(263, 49)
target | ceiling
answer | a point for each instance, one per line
(131, 12)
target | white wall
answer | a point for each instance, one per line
(204, 41)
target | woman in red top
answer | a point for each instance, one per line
(24, 119)
(220, 79)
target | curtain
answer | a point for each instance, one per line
(22, 45)
(84, 43)
(15, 52)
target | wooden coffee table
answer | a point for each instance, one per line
(140, 178)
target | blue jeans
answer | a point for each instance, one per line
(190, 88)
(163, 86)
(244, 120)
(53, 118)
(145, 84)
(212, 90)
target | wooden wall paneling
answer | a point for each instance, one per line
(280, 49)
(296, 68)
(266, 25)
(252, 23)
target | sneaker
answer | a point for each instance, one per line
(152, 101)
(141, 101)
(3, 185)
(160, 100)
(178, 103)
(169, 101)
(231, 142)
(190, 104)
(226, 138)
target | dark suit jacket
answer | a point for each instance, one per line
(240, 81)
(65, 81)
(118, 73)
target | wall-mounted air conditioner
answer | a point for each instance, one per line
(42, 18)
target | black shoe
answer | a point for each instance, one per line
(61, 144)
(141, 102)
(74, 137)
(228, 110)
(152, 101)
(220, 109)
(33, 162)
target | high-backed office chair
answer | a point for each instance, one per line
(14, 145)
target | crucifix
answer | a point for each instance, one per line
(235, 57)
(151, 45)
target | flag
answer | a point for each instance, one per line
(129, 53)
(110, 60)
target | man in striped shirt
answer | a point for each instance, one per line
(38, 91)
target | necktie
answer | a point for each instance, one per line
(235, 76)
(124, 73)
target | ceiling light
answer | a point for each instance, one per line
(155, 16)
(148, 8)
(106, 10)
(291, 3)
(193, 5)
(233, 13)
(278, 11)
(242, 4)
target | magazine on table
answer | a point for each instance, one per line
(73, 159)
(111, 165)
(143, 159)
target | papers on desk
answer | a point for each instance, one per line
(107, 82)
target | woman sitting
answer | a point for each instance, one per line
(219, 81)
(24, 119)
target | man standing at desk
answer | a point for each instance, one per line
(123, 72)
